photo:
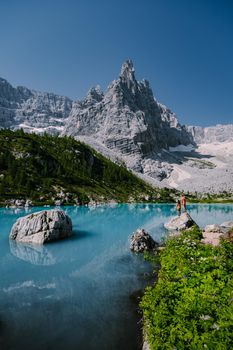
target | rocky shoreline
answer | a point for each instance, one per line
(63, 198)
(27, 203)
(179, 227)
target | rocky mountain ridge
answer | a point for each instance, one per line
(127, 117)
(127, 124)
(32, 110)
(128, 120)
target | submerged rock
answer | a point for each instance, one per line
(179, 223)
(42, 227)
(141, 241)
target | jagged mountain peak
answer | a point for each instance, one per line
(128, 92)
(95, 93)
(127, 66)
(126, 118)
(128, 81)
(127, 75)
(3, 81)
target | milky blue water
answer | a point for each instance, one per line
(74, 294)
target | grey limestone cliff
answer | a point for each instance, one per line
(127, 117)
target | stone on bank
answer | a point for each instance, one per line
(213, 234)
(42, 227)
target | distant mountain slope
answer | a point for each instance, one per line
(32, 110)
(207, 168)
(211, 134)
(45, 168)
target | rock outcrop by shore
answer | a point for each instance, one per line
(18, 203)
(179, 223)
(141, 241)
(42, 227)
(212, 234)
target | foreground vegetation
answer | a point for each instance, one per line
(45, 168)
(190, 306)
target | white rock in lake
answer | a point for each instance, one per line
(179, 223)
(42, 227)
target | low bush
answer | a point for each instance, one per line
(190, 306)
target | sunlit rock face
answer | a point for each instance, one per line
(128, 120)
(127, 117)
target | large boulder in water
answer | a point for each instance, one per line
(42, 227)
(141, 241)
(227, 224)
(179, 223)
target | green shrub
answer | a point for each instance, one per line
(190, 307)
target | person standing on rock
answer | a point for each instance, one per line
(178, 207)
(183, 202)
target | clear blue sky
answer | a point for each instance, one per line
(183, 47)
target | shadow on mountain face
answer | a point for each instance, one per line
(179, 158)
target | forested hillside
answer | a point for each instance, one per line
(45, 168)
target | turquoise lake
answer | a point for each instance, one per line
(75, 294)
